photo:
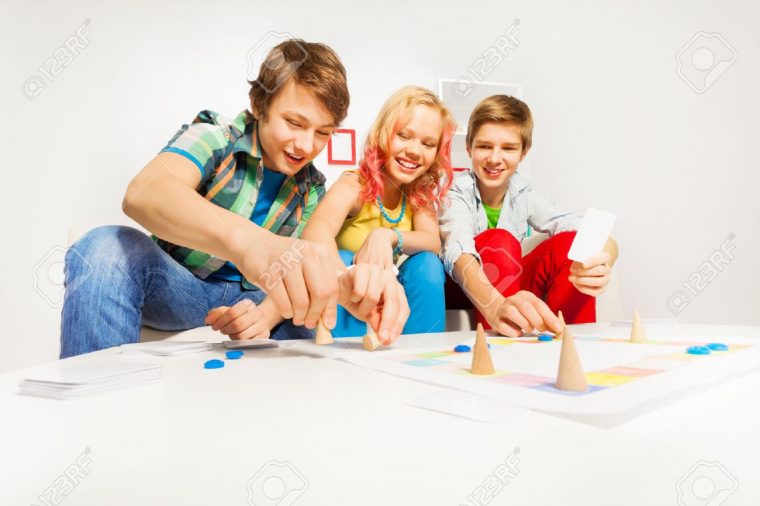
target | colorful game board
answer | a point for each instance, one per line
(620, 374)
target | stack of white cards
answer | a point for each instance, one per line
(71, 380)
(167, 348)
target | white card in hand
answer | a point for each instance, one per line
(592, 235)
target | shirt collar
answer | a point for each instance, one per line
(248, 142)
(517, 183)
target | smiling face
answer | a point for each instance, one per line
(413, 148)
(296, 130)
(496, 151)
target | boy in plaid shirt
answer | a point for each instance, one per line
(226, 200)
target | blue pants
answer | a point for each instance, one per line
(422, 277)
(118, 279)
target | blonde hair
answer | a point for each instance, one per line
(429, 188)
(502, 109)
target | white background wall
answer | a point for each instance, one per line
(616, 127)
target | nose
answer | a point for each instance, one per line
(493, 158)
(413, 151)
(304, 143)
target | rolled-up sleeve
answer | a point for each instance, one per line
(548, 217)
(457, 225)
(204, 144)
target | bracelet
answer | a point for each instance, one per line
(400, 245)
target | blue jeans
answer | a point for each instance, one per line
(118, 279)
(423, 279)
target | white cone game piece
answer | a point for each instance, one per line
(481, 355)
(323, 334)
(570, 375)
(638, 335)
(370, 340)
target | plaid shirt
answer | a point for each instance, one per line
(228, 154)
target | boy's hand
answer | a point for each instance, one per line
(377, 248)
(521, 313)
(244, 320)
(298, 276)
(374, 295)
(592, 276)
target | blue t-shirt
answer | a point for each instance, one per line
(268, 190)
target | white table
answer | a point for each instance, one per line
(348, 435)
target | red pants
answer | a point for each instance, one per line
(543, 271)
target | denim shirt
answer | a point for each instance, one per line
(463, 217)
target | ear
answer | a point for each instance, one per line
(254, 110)
(469, 152)
(524, 154)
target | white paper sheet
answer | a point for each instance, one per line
(680, 372)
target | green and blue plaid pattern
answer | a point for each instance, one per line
(228, 155)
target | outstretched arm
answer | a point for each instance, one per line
(510, 316)
(163, 199)
(341, 200)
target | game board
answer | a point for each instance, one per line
(620, 374)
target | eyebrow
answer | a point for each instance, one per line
(500, 143)
(306, 120)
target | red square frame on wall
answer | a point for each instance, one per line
(341, 159)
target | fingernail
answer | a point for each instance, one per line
(329, 323)
(385, 335)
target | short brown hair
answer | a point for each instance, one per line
(502, 109)
(313, 65)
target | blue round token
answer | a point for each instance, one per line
(545, 337)
(214, 364)
(717, 347)
(462, 348)
(234, 354)
(698, 350)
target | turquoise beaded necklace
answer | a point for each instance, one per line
(385, 215)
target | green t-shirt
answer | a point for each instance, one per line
(492, 213)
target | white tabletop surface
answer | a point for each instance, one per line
(335, 433)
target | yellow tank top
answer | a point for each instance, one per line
(355, 230)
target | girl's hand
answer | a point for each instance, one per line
(592, 276)
(377, 248)
(374, 295)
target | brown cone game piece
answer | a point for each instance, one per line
(638, 335)
(564, 325)
(370, 340)
(481, 355)
(570, 375)
(323, 334)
